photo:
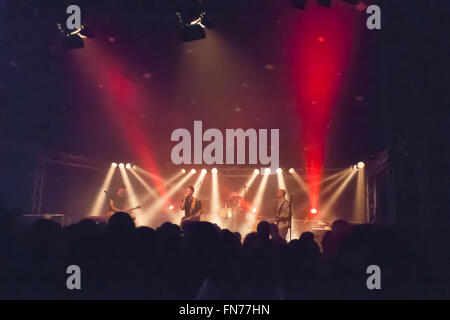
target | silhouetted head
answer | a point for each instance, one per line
(307, 236)
(263, 229)
(340, 225)
(121, 223)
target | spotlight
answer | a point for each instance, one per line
(73, 39)
(134, 166)
(291, 170)
(183, 171)
(128, 166)
(203, 21)
(267, 171)
(361, 165)
(279, 170)
(254, 210)
(193, 171)
(313, 211)
(299, 4)
(114, 165)
(192, 20)
(214, 170)
(171, 207)
(121, 165)
(204, 171)
(256, 171)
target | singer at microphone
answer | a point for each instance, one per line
(191, 206)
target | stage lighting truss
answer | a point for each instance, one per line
(126, 165)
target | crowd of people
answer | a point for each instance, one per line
(199, 260)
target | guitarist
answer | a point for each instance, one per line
(117, 201)
(283, 214)
(191, 206)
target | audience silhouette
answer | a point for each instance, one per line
(199, 260)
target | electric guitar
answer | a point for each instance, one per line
(192, 217)
(110, 213)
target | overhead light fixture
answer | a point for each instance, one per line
(74, 39)
(192, 19)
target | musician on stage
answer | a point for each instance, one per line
(117, 201)
(191, 206)
(282, 215)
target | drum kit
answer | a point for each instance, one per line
(234, 210)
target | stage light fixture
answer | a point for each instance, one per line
(299, 4)
(267, 171)
(214, 170)
(128, 166)
(313, 211)
(256, 171)
(361, 165)
(193, 19)
(193, 171)
(183, 171)
(114, 165)
(279, 170)
(204, 171)
(171, 207)
(121, 165)
(291, 170)
(73, 39)
(254, 210)
(203, 21)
